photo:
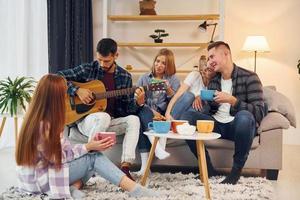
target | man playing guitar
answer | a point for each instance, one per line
(119, 116)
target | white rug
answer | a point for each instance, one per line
(174, 187)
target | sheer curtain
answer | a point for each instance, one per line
(23, 46)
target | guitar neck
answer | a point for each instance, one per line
(121, 92)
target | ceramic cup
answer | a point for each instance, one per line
(160, 126)
(102, 135)
(175, 123)
(207, 95)
(205, 126)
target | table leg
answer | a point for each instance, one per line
(2, 125)
(16, 129)
(200, 146)
(199, 164)
(151, 155)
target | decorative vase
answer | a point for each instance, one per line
(147, 7)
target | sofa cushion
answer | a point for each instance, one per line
(273, 120)
(277, 102)
(227, 144)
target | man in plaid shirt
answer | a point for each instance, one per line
(119, 116)
(236, 109)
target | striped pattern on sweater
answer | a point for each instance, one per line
(247, 88)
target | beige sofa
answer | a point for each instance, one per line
(266, 150)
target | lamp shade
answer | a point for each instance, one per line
(203, 26)
(256, 43)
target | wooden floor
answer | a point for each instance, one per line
(286, 187)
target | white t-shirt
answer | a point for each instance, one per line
(223, 113)
(195, 82)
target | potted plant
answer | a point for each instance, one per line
(159, 34)
(14, 94)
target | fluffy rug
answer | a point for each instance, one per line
(172, 186)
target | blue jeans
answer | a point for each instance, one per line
(182, 104)
(146, 115)
(85, 166)
(241, 131)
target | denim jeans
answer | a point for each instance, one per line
(85, 166)
(241, 131)
(146, 115)
(182, 104)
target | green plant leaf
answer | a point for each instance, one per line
(18, 80)
(159, 30)
(5, 108)
(153, 36)
(14, 92)
(164, 35)
(22, 104)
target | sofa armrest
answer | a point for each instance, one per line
(273, 120)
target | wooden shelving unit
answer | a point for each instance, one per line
(133, 45)
(145, 70)
(162, 17)
(146, 44)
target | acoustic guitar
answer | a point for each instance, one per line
(76, 109)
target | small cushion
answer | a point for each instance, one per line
(273, 120)
(277, 102)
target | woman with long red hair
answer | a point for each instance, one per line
(48, 163)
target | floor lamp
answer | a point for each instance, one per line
(256, 44)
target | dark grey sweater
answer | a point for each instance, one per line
(247, 88)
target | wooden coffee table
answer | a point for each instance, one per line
(200, 138)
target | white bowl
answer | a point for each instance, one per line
(186, 129)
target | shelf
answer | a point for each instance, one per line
(147, 44)
(136, 70)
(162, 17)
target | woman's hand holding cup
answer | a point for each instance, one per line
(100, 145)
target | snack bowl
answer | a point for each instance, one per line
(186, 129)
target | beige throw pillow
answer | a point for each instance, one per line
(277, 102)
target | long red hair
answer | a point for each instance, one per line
(43, 123)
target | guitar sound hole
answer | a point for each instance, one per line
(82, 108)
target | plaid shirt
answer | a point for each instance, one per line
(46, 179)
(125, 104)
(247, 88)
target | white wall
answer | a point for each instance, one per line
(23, 46)
(274, 19)
(278, 21)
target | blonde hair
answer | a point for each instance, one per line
(170, 62)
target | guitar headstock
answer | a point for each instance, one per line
(157, 86)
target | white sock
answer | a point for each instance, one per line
(144, 159)
(160, 152)
(140, 191)
(76, 194)
(163, 142)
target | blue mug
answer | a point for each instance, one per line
(207, 95)
(160, 126)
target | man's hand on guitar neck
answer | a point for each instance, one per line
(85, 95)
(139, 96)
